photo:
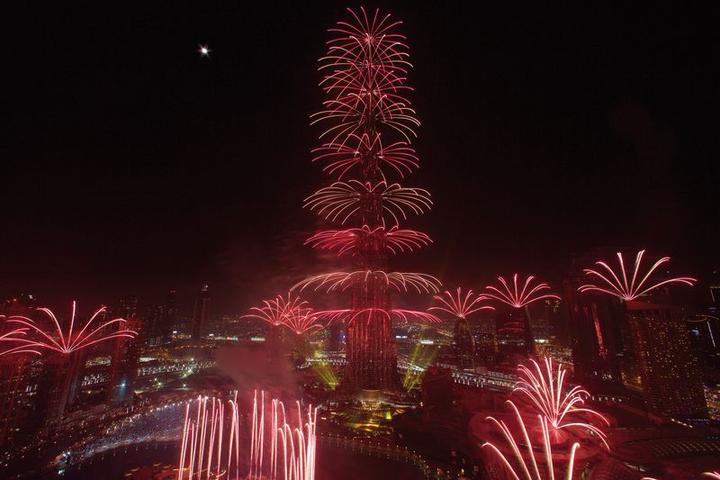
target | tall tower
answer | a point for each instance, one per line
(200, 312)
(369, 125)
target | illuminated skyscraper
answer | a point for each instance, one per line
(669, 372)
(125, 354)
(200, 312)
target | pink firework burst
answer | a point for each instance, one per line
(348, 241)
(277, 310)
(517, 296)
(396, 314)
(366, 67)
(342, 200)
(524, 462)
(16, 341)
(547, 391)
(459, 305)
(629, 287)
(301, 323)
(398, 281)
(71, 340)
(342, 158)
(714, 475)
(289, 311)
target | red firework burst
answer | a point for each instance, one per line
(527, 465)
(18, 341)
(348, 241)
(398, 281)
(291, 312)
(277, 310)
(342, 158)
(67, 342)
(636, 286)
(547, 392)
(367, 65)
(518, 297)
(342, 200)
(395, 314)
(459, 305)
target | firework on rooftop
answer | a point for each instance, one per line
(629, 287)
(514, 295)
(460, 305)
(52, 337)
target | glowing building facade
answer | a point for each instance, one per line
(669, 372)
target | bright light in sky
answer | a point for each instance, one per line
(204, 50)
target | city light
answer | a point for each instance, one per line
(638, 284)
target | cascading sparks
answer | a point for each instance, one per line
(275, 445)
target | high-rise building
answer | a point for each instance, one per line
(596, 331)
(200, 312)
(125, 354)
(669, 372)
(463, 344)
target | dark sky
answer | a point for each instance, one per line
(132, 165)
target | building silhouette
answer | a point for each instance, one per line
(200, 312)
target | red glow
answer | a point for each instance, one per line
(560, 405)
(459, 305)
(526, 464)
(518, 297)
(349, 241)
(619, 286)
(67, 342)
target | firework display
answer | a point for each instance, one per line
(71, 340)
(368, 127)
(560, 405)
(215, 445)
(524, 463)
(629, 287)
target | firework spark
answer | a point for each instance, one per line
(529, 467)
(459, 305)
(277, 310)
(399, 281)
(618, 285)
(289, 311)
(342, 200)
(395, 314)
(350, 241)
(342, 158)
(547, 392)
(366, 67)
(15, 337)
(212, 446)
(519, 297)
(67, 342)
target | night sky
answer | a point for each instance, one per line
(133, 165)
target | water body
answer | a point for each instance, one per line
(332, 463)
